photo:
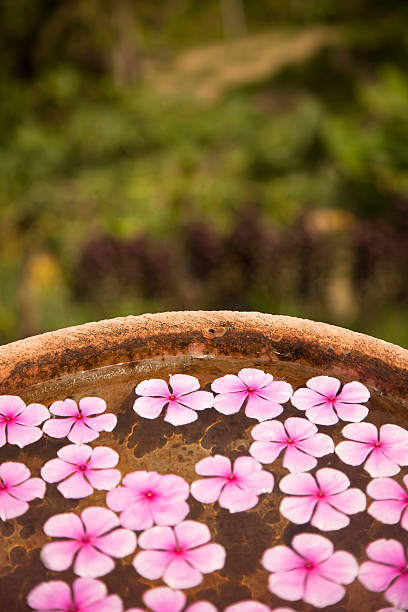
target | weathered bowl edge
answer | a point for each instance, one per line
(267, 338)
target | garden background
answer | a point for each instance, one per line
(191, 154)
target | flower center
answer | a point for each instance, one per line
(85, 539)
(320, 494)
(377, 444)
(290, 441)
(332, 398)
(2, 485)
(72, 608)
(309, 565)
(79, 417)
(172, 397)
(178, 550)
(149, 494)
(82, 468)
(7, 419)
(232, 477)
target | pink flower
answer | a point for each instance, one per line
(81, 469)
(164, 599)
(18, 421)
(387, 451)
(250, 606)
(79, 424)
(87, 596)
(388, 566)
(179, 556)
(393, 501)
(325, 498)
(17, 488)
(93, 539)
(182, 398)
(264, 395)
(149, 498)
(313, 572)
(236, 489)
(324, 405)
(299, 438)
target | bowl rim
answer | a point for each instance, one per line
(223, 334)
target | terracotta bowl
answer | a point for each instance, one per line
(110, 358)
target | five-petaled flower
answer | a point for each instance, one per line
(87, 596)
(148, 498)
(17, 488)
(391, 501)
(313, 571)
(324, 405)
(179, 556)
(81, 469)
(163, 599)
(324, 499)
(182, 397)
(387, 450)
(79, 423)
(236, 488)
(18, 422)
(93, 539)
(387, 571)
(297, 437)
(262, 394)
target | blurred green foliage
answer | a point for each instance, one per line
(287, 195)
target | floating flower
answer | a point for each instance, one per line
(182, 398)
(386, 450)
(324, 405)
(388, 566)
(17, 488)
(262, 394)
(81, 469)
(392, 501)
(18, 422)
(251, 606)
(79, 423)
(298, 437)
(179, 556)
(236, 489)
(87, 596)
(312, 571)
(164, 599)
(149, 498)
(326, 499)
(92, 539)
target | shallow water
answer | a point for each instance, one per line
(156, 445)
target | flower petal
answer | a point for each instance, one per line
(281, 559)
(11, 507)
(167, 513)
(296, 461)
(92, 405)
(26, 491)
(11, 405)
(304, 399)
(297, 509)
(214, 466)
(312, 547)
(56, 470)
(181, 575)
(327, 518)
(273, 431)
(207, 490)
(152, 564)
(321, 592)
(177, 414)
(375, 576)
(387, 551)
(341, 567)
(332, 481)
(378, 464)
(351, 412)
(322, 415)
(103, 422)
(387, 511)
(266, 452)
(104, 480)
(98, 520)
(13, 472)
(236, 499)
(52, 595)
(317, 445)
(160, 538)
(164, 599)
(397, 594)
(77, 455)
(361, 432)
(67, 525)
(64, 408)
(298, 484)
(255, 378)
(262, 409)
(277, 391)
(153, 387)
(118, 543)
(75, 487)
(90, 563)
(228, 384)
(191, 533)
(288, 585)
(230, 403)
(354, 393)
(58, 428)
(81, 433)
(58, 556)
(88, 591)
(353, 453)
(198, 400)
(325, 385)
(183, 383)
(21, 435)
(207, 558)
(385, 488)
(350, 501)
(149, 407)
(33, 414)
